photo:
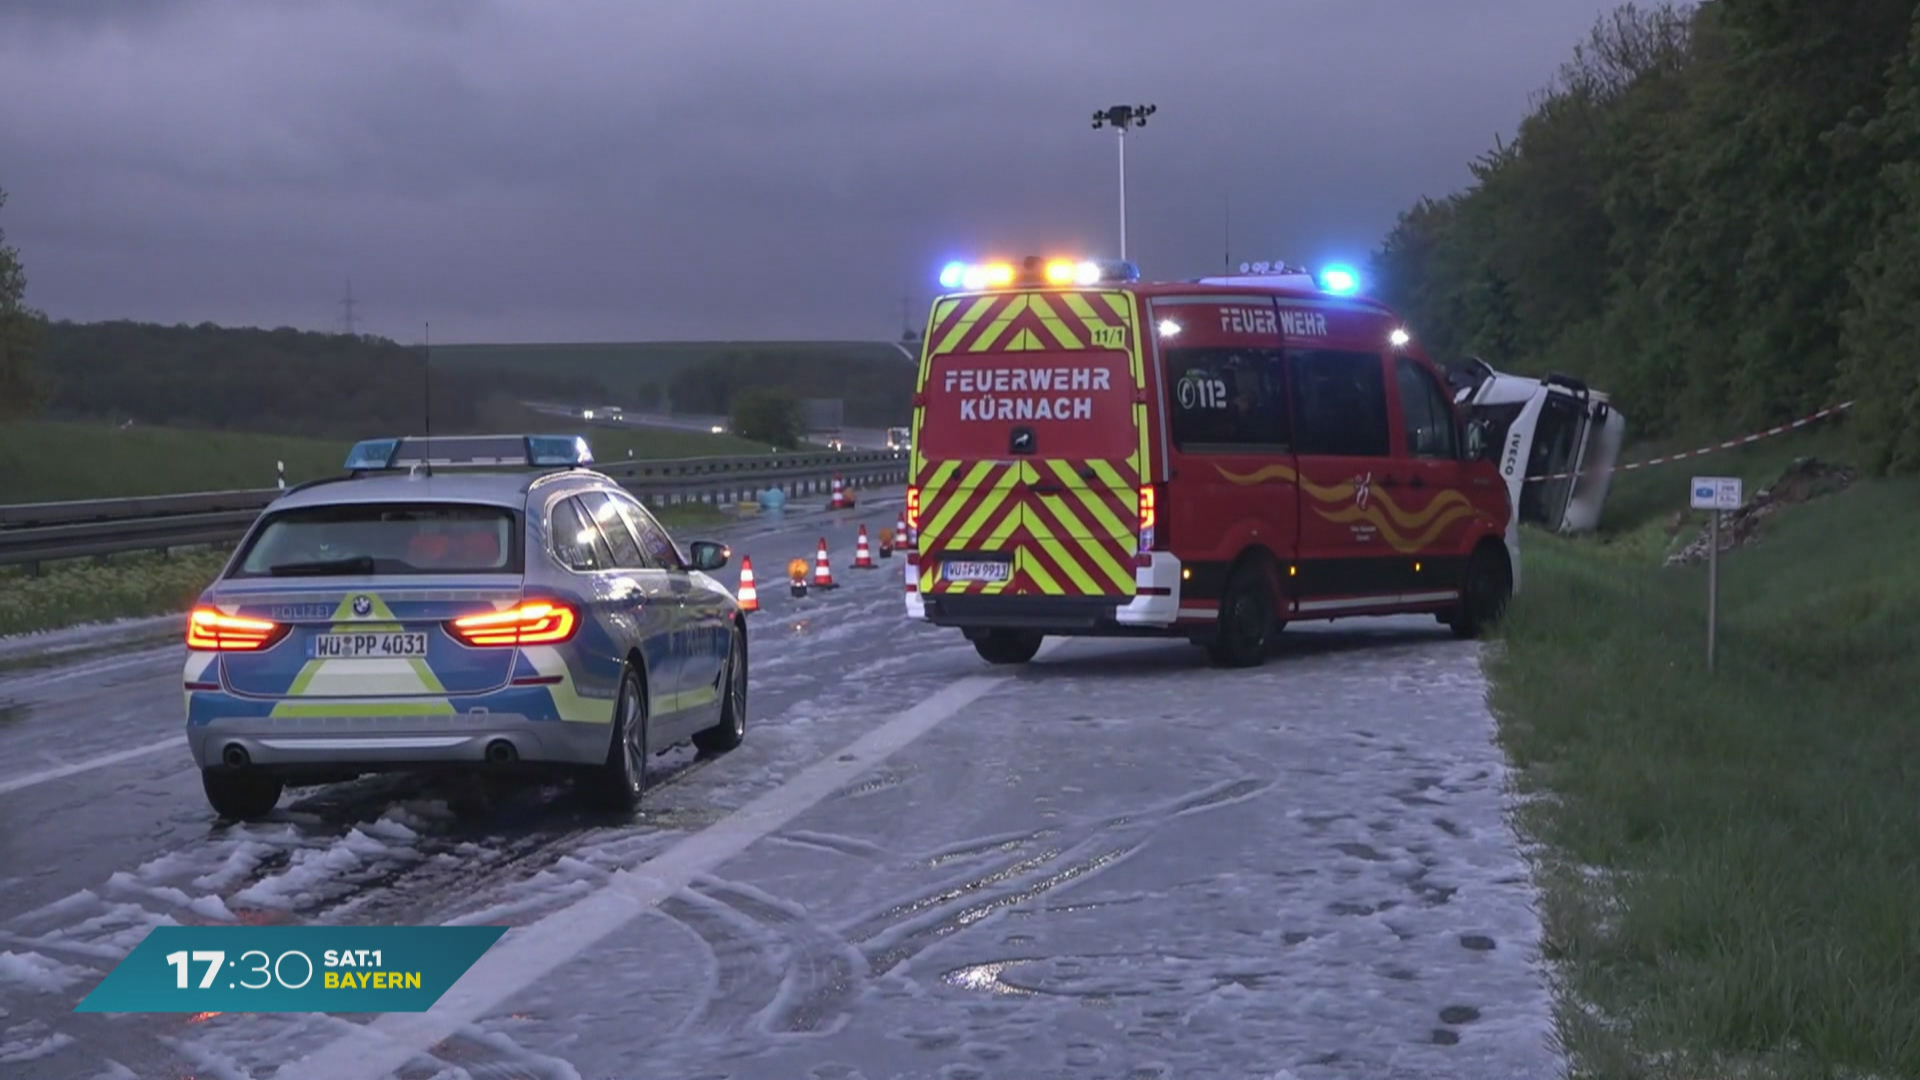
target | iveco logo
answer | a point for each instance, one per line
(362, 606)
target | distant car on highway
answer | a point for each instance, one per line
(469, 603)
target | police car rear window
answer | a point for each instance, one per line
(384, 539)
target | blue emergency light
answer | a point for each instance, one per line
(470, 451)
(1343, 280)
(1033, 270)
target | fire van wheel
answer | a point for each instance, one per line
(1247, 621)
(1008, 646)
(240, 796)
(1483, 600)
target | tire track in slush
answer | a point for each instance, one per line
(775, 968)
(904, 930)
(821, 971)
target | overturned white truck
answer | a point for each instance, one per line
(1559, 441)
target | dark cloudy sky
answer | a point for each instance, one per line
(521, 170)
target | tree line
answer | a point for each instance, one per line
(287, 381)
(878, 393)
(1712, 212)
(345, 385)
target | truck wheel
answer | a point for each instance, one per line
(240, 796)
(1484, 597)
(1247, 620)
(1008, 646)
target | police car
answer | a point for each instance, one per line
(473, 602)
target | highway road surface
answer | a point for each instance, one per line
(1116, 862)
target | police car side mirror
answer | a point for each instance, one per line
(1476, 440)
(708, 555)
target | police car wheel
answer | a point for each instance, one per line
(1247, 621)
(732, 728)
(618, 784)
(1008, 646)
(240, 796)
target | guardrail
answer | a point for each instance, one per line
(32, 533)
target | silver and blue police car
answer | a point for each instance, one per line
(476, 602)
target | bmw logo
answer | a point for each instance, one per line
(362, 606)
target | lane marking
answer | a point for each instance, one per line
(61, 772)
(526, 955)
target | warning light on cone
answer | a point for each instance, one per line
(798, 570)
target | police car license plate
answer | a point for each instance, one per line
(976, 571)
(354, 646)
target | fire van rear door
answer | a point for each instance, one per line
(1032, 415)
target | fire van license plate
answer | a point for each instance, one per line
(374, 645)
(976, 571)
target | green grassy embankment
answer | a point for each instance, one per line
(1730, 862)
(48, 461)
(139, 584)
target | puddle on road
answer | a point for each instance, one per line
(1098, 979)
(12, 712)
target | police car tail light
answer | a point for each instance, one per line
(534, 622)
(212, 630)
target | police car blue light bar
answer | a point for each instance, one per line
(975, 277)
(471, 451)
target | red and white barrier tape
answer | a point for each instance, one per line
(1716, 447)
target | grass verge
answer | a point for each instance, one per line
(1731, 861)
(48, 460)
(78, 591)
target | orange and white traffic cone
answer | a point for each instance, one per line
(797, 578)
(862, 554)
(886, 543)
(900, 529)
(823, 567)
(839, 495)
(749, 595)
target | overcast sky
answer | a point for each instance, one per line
(539, 170)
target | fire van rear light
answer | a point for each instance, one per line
(213, 630)
(913, 508)
(535, 622)
(1153, 534)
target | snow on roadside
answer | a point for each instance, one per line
(38, 973)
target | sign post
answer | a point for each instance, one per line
(1716, 495)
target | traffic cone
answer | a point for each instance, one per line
(839, 495)
(900, 529)
(797, 578)
(862, 554)
(823, 567)
(886, 543)
(749, 595)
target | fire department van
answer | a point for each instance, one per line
(1209, 459)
